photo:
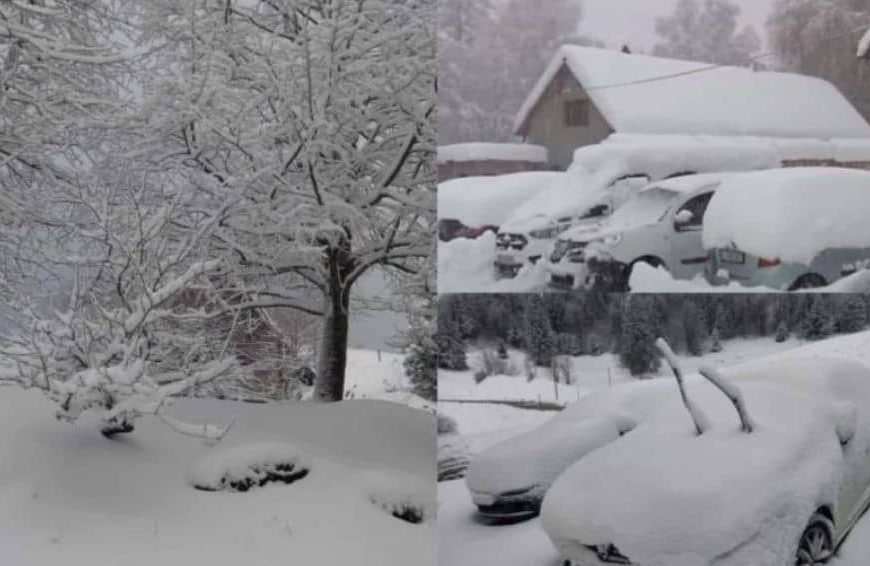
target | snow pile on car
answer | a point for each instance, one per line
(725, 496)
(481, 151)
(536, 458)
(481, 201)
(790, 214)
(242, 467)
(403, 496)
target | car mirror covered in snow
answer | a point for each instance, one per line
(683, 217)
(845, 420)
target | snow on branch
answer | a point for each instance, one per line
(732, 392)
(702, 423)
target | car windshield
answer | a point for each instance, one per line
(646, 208)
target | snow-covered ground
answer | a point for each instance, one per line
(69, 496)
(466, 540)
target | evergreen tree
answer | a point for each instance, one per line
(851, 314)
(502, 350)
(693, 328)
(450, 347)
(818, 322)
(540, 341)
(420, 366)
(637, 351)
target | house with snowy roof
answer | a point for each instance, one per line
(586, 94)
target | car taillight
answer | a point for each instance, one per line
(767, 262)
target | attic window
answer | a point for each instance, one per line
(576, 113)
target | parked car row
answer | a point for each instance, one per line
(770, 230)
(625, 475)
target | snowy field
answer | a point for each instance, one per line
(69, 496)
(465, 540)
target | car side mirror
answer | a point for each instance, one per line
(683, 217)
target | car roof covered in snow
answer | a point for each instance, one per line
(687, 183)
(478, 201)
(652, 95)
(791, 214)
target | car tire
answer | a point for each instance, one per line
(808, 281)
(816, 545)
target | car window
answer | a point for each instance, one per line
(698, 207)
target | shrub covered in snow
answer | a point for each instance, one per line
(250, 465)
(402, 496)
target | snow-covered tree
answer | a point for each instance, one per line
(637, 349)
(706, 32)
(124, 337)
(319, 117)
(819, 320)
(540, 341)
(781, 331)
(851, 313)
(818, 38)
(715, 342)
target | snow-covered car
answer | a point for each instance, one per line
(660, 226)
(528, 235)
(470, 206)
(604, 176)
(789, 229)
(508, 481)
(781, 480)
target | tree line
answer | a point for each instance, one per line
(549, 325)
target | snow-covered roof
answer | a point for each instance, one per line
(479, 151)
(652, 95)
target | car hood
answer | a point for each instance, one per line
(525, 224)
(664, 495)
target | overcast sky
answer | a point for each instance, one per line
(617, 22)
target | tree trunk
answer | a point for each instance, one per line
(329, 384)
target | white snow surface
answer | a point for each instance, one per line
(651, 95)
(69, 496)
(480, 201)
(763, 486)
(482, 151)
(790, 214)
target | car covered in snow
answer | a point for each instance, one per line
(660, 226)
(470, 206)
(508, 481)
(603, 177)
(770, 465)
(789, 229)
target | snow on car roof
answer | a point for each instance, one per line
(479, 201)
(687, 183)
(790, 214)
(480, 151)
(697, 98)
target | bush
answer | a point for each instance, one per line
(446, 425)
(479, 376)
(493, 364)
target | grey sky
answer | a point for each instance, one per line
(617, 22)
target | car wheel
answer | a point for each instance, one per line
(816, 545)
(808, 281)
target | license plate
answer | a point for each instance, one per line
(505, 259)
(732, 256)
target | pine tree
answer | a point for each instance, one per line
(693, 327)
(851, 315)
(818, 322)
(420, 366)
(502, 350)
(637, 351)
(450, 347)
(540, 341)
